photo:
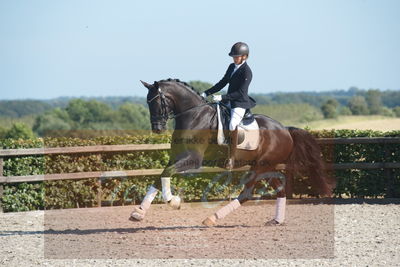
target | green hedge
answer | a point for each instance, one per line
(77, 193)
(83, 193)
(362, 183)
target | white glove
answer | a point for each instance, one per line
(203, 95)
(217, 98)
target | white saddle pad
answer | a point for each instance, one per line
(251, 134)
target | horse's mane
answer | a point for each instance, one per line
(185, 84)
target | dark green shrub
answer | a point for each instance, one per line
(23, 197)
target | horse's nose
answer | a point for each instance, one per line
(158, 127)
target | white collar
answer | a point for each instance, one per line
(238, 66)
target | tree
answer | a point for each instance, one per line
(396, 111)
(374, 100)
(262, 99)
(20, 108)
(354, 90)
(135, 115)
(385, 111)
(99, 112)
(19, 130)
(345, 111)
(391, 99)
(91, 115)
(77, 110)
(3, 132)
(358, 105)
(84, 112)
(200, 86)
(51, 122)
(329, 109)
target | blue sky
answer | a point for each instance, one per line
(102, 48)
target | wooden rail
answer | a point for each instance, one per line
(101, 175)
(81, 149)
(146, 147)
(359, 140)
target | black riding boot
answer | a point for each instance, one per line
(233, 142)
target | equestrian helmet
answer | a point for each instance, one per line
(239, 49)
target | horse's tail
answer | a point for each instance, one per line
(306, 160)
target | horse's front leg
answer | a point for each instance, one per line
(187, 160)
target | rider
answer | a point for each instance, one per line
(239, 76)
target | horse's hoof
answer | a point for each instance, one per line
(175, 202)
(137, 214)
(210, 221)
(273, 222)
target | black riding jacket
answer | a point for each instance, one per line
(238, 87)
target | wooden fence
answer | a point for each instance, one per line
(100, 175)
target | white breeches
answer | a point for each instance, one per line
(236, 117)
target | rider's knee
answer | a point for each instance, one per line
(233, 124)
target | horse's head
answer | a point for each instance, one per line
(158, 106)
(169, 99)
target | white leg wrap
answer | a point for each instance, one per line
(280, 209)
(150, 195)
(225, 210)
(166, 188)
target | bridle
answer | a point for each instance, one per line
(165, 114)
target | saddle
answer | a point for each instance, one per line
(248, 117)
(248, 134)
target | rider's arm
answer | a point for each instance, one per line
(243, 88)
(221, 84)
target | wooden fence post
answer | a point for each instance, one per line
(99, 192)
(388, 173)
(1, 185)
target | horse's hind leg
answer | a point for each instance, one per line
(277, 183)
(233, 205)
(280, 206)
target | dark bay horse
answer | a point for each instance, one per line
(194, 140)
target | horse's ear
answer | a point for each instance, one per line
(147, 85)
